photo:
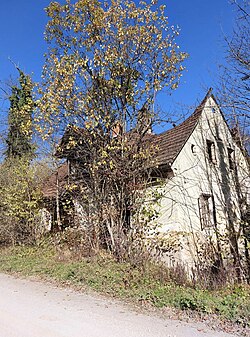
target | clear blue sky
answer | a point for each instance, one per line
(202, 24)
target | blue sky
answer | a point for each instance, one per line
(202, 24)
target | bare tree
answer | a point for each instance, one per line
(234, 86)
(234, 89)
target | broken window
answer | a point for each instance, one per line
(211, 152)
(230, 153)
(206, 207)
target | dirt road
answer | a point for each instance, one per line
(34, 309)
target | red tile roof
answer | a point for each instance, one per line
(169, 144)
(172, 141)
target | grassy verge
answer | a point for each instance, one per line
(104, 275)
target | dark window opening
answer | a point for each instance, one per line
(206, 208)
(230, 153)
(211, 152)
(193, 149)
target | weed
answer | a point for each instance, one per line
(104, 274)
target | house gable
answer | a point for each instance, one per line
(204, 166)
(171, 142)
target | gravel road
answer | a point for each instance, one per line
(35, 309)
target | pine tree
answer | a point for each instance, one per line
(19, 138)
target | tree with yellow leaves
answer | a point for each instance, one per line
(105, 64)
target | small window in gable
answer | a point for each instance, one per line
(194, 149)
(211, 152)
(230, 153)
(213, 110)
(206, 208)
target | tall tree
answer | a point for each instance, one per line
(19, 138)
(235, 79)
(105, 65)
(107, 61)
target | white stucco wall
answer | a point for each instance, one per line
(195, 175)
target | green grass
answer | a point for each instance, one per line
(105, 275)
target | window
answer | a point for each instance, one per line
(211, 152)
(206, 207)
(194, 149)
(230, 153)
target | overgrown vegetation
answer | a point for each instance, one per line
(20, 178)
(104, 67)
(234, 97)
(152, 285)
(20, 200)
(105, 64)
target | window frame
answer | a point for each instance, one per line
(231, 160)
(211, 151)
(206, 211)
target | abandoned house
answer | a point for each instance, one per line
(206, 182)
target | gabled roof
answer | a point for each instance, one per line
(171, 142)
(168, 144)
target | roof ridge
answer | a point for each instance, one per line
(197, 110)
(172, 141)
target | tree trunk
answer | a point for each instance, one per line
(58, 217)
